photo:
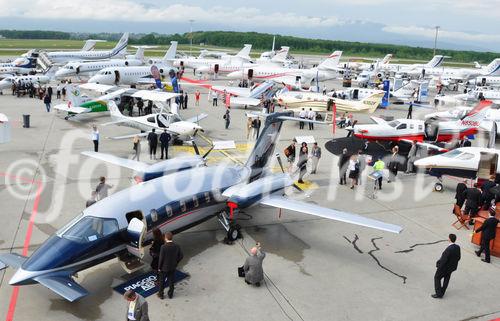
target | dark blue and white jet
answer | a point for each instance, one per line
(172, 197)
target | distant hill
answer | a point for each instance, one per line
(263, 41)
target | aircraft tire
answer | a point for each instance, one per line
(438, 187)
(234, 233)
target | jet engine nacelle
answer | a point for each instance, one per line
(246, 195)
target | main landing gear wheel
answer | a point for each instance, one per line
(234, 233)
(438, 187)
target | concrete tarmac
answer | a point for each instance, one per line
(315, 269)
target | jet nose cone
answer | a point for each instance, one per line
(19, 277)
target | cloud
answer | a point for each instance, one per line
(133, 11)
(429, 32)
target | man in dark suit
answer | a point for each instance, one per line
(488, 229)
(445, 266)
(153, 143)
(487, 196)
(473, 201)
(460, 193)
(170, 256)
(165, 138)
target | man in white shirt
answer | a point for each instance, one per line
(311, 115)
(302, 115)
(95, 138)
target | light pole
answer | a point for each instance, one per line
(436, 38)
(190, 35)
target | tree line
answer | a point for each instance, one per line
(263, 41)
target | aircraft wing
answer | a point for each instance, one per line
(245, 101)
(65, 286)
(96, 87)
(196, 118)
(11, 259)
(129, 136)
(123, 162)
(427, 145)
(73, 110)
(153, 95)
(316, 210)
(378, 120)
(115, 122)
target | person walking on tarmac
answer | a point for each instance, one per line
(227, 118)
(410, 111)
(488, 230)
(170, 256)
(165, 138)
(446, 265)
(379, 167)
(342, 164)
(153, 143)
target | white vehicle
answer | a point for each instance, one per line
(135, 74)
(37, 80)
(89, 68)
(328, 69)
(67, 56)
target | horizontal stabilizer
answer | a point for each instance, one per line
(64, 286)
(96, 87)
(73, 110)
(123, 162)
(11, 259)
(312, 209)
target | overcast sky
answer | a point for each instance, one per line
(464, 23)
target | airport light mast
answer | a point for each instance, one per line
(190, 35)
(436, 38)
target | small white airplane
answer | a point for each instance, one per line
(20, 65)
(409, 130)
(464, 162)
(326, 70)
(454, 74)
(435, 62)
(134, 75)
(243, 56)
(356, 65)
(181, 130)
(89, 68)
(36, 80)
(491, 81)
(492, 115)
(59, 57)
(296, 100)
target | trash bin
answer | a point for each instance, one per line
(26, 121)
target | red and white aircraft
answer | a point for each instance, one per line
(409, 130)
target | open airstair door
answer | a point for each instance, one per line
(487, 166)
(136, 233)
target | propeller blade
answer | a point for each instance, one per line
(196, 150)
(208, 152)
(280, 163)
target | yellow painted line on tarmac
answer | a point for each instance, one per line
(221, 151)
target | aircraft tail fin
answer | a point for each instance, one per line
(281, 54)
(493, 69)
(373, 101)
(89, 45)
(172, 50)
(260, 89)
(74, 96)
(114, 112)
(139, 54)
(386, 59)
(436, 61)
(332, 61)
(245, 52)
(121, 46)
(477, 114)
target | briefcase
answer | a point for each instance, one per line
(241, 272)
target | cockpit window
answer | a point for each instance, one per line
(394, 123)
(452, 154)
(89, 229)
